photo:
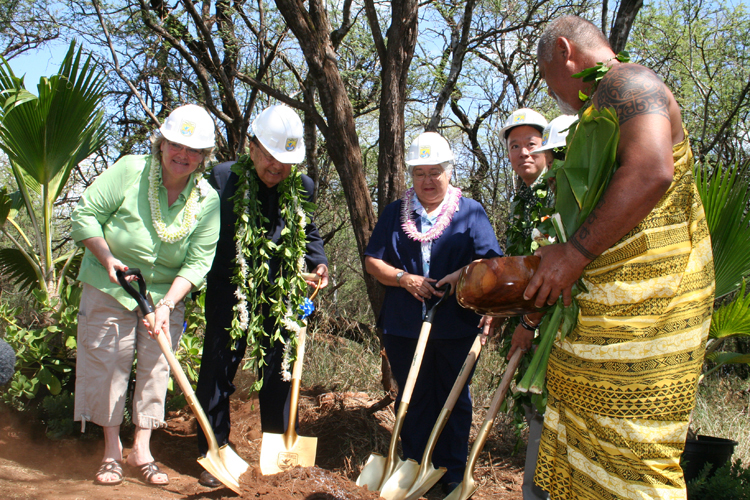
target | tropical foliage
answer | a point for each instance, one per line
(44, 138)
(726, 200)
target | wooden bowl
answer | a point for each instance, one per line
(495, 286)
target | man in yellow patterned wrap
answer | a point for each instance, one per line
(622, 384)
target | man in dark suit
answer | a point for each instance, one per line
(277, 145)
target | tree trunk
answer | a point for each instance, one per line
(312, 29)
(626, 14)
(395, 59)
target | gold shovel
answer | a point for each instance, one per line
(467, 487)
(223, 463)
(412, 480)
(378, 468)
(279, 452)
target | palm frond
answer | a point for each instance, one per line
(14, 265)
(725, 200)
(732, 319)
(44, 136)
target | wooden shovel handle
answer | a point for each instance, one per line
(183, 382)
(463, 375)
(502, 389)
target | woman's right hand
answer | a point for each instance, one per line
(112, 266)
(419, 287)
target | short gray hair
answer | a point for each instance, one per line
(580, 32)
(157, 139)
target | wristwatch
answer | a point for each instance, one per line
(399, 275)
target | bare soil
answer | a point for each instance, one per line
(35, 467)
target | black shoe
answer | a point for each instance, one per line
(449, 487)
(207, 479)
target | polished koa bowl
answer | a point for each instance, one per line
(495, 286)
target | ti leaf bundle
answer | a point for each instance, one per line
(581, 180)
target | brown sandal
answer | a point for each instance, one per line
(148, 471)
(112, 467)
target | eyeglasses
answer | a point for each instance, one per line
(421, 176)
(268, 156)
(179, 148)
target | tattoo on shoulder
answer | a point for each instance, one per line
(632, 90)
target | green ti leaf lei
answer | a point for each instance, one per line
(596, 73)
(255, 291)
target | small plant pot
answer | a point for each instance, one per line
(704, 450)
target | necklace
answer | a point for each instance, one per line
(443, 219)
(596, 73)
(254, 249)
(172, 234)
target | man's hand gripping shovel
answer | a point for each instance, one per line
(223, 463)
(378, 468)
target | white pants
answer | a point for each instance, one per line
(109, 337)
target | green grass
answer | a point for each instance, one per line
(337, 364)
(723, 410)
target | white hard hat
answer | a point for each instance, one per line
(429, 148)
(191, 126)
(523, 116)
(555, 133)
(280, 130)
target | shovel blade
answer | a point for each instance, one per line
(426, 478)
(397, 485)
(463, 491)
(233, 463)
(213, 463)
(372, 473)
(276, 457)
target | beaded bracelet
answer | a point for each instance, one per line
(165, 302)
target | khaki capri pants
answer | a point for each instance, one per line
(109, 336)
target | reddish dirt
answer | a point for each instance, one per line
(35, 467)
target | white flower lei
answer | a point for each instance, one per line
(190, 211)
(254, 289)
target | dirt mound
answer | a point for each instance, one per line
(35, 467)
(308, 483)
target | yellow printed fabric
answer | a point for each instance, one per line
(622, 384)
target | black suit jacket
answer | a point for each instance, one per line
(225, 182)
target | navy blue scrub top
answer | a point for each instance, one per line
(469, 236)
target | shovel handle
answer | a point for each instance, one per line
(458, 386)
(489, 420)
(166, 348)
(463, 375)
(502, 389)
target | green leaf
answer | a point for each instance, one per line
(15, 266)
(723, 358)
(725, 195)
(732, 319)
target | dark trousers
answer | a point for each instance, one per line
(440, 367)
(219, 365)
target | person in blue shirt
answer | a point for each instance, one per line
(419, 243)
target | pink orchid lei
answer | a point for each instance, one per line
(443, 220)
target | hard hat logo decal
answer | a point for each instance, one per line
(424, 151)
(291, 144)
(187, 128)
(520, 118)
(545, 137)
